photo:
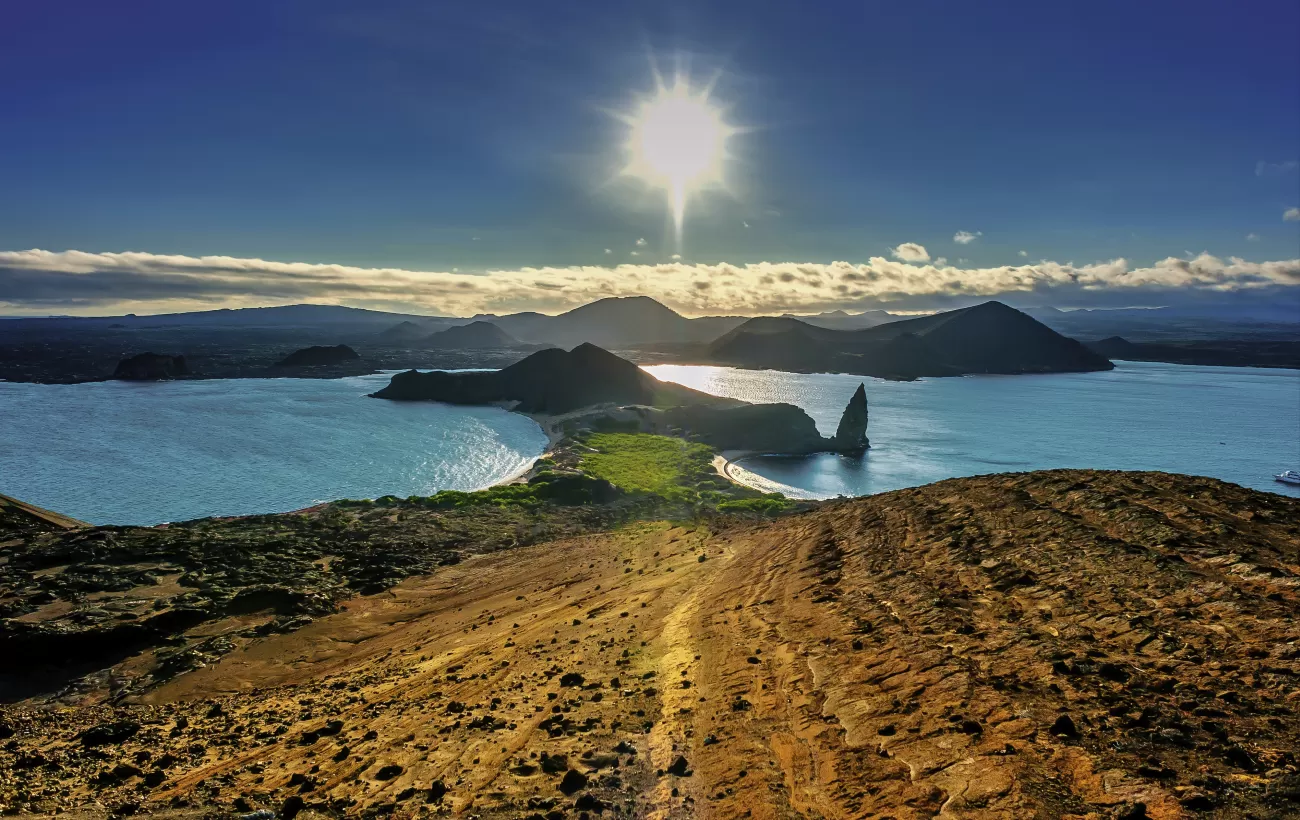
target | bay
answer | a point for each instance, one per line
(1234, 423)
(143, 453)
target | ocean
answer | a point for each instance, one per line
(130, 453)
(1238, 424)
(143, 453)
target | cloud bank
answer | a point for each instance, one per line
(40, 281)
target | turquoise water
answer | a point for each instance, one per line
(1238, 424)
(128, 453)
(121, 453)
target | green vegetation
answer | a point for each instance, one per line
(545, 487)
(595, 468)
(769, 504)
(673, 469)
(642, 463)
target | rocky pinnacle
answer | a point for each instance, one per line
(851, 435)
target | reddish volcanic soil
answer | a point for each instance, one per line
(1042, 645)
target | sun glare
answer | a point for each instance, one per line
(678, 143)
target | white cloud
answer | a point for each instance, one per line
(911, 252)
(941, 261)
(608, 251)
(966, 237)
(635, 253)
(746, 224)
(1272, 169)
(1291, 215)
(640, 243)
(676, 257)
(1024, 253)
(99, 283)
(1252, 237)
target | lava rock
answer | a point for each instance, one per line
(109, 733)
(573, 782)
(1064, 727)
(388, 772)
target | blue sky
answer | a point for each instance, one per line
(478, 136)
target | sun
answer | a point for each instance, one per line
(678, 142)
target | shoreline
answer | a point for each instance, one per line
(726, 461)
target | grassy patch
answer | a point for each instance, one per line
(674, 469)
(641, 463)
(547, 487)
(651, 476)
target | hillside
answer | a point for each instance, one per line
(403, 332)
(615, 322)
(1225, 353)
(592, 388)
(319, 356)
(475, 335)
(987, 338)
(20, 518)
(1055, 644)
(550, 381)
(843, 320)
(283, 316)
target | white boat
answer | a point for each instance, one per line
(1288, 477)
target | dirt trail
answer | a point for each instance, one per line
(1047, 645)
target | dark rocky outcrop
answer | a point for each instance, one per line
(151, 367)
(768, 428)
(549, 381)
(851, 435)
(319, 356)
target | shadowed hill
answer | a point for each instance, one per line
(475, 335)
(403, 332)
(549, 381)
(987, 338)
(319, 356)
(614, 323)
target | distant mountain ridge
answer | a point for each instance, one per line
(615, 322)
(305, 315)
(987, 338)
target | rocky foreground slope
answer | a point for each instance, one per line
(1053, 644)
